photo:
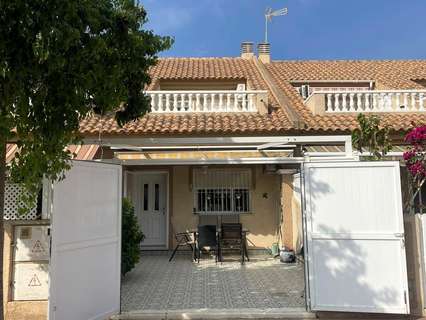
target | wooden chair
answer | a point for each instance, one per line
(183, 239)
(232, 237)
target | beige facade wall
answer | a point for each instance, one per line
(181, 217)
(291, 227)
(34, 310)
(263, 222)
(268, 195)
(287, 219)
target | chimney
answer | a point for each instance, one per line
(247, 50)
(264, 52)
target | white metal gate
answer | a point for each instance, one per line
(86, 243)
(355, 237)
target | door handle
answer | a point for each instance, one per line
(399, 235)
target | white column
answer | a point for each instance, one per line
(168, 102)
(182, 102)
(405, 100)
(235, 102)
(413, 101)
(212, 102)
(329, 104)
(389, 101)
(197, 103)
(382, 102)
(421, 101)
(336, 102)
(160, 102)
(397, 101)
(221, 108)
(153, 104)
(251, 106)
(351, 102)
(344, 102)
(228, 102)
(204, 104)
(375, 107)
(367, 102)
(359, 102)
(175, 102)
(244, 103)
(190, 108)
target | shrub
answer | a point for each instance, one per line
(131, 237)
(371, 136)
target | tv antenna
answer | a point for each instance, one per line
(268, 18)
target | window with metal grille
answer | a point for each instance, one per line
(221, 191)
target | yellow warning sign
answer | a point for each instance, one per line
(34, 282)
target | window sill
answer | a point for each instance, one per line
(221, 213)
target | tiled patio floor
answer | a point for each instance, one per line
(263, 283)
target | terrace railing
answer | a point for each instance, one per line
(392, 101)
(207, 101)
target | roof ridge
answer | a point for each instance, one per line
(281, 98)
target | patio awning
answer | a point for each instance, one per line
(80, 152)
(199, 155)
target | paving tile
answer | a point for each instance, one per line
(262, 283)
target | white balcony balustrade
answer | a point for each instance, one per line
(392, 101)
(207, 101)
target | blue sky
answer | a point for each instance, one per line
(313, 29)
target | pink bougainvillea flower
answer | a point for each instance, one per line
(416, 136)
(415, 158)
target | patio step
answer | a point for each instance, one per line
(216, 314)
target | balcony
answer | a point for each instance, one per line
(208, 101)
(392, 101)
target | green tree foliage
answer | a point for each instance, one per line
(61, 61)
(372, 137)
(131, 237)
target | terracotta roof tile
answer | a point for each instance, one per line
(196, 123)
(199, 123)
(397, 74)
(79, 152)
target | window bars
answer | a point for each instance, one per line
(221, 191)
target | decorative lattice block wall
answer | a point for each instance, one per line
(11, 204)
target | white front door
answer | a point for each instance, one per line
(149, 194)
(86, 243)
(355, 237)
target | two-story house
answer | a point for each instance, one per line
(230, 118)
(243, 139)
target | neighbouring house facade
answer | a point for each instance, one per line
(225, 139)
